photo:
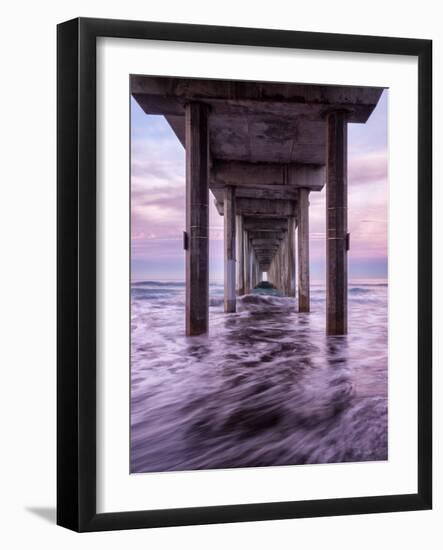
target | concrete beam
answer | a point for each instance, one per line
(265, 224)
(176, 123)
(283, 192)
(268, 176)
(265, 259)
(268, 251)
(273, 235)
(257, 207)
(257, 122)
(247, 173)
(166, 95)
(265, 242)
(306, 176)
(197, 219)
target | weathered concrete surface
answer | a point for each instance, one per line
(247, 260)
(267, 235)
(291, 257)
(240, 256)
(260, 100)
(337, 226)
(257, 243)
(264, 224)
(197, 219)
(262, 207)
(303, 252)
(229, 227)
(268, 175)
(260, 191)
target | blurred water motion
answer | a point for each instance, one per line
(266, 387)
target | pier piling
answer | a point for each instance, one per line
(229, 248)
(197, 219)
(303, 251)
(336, 225)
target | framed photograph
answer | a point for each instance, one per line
(244, 274)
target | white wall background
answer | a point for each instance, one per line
(27, 286)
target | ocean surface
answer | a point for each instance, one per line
(266, 387)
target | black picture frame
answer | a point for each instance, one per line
(76, 281)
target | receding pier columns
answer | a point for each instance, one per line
(229, 246)
(254, 271)
(247, 262)
(291, 256)
(240, 257)
(336, 224)
(303, 251)
(197, 219)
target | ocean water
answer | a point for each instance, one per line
(266, 387)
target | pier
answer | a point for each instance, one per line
(259, 149)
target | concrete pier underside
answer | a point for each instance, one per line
(261, 148)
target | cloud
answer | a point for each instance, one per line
(157, 182)
(158, 203)
(367, 210)
(368, 168)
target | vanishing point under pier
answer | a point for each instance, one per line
(260, 149)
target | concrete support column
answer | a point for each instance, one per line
(278, 268)
(257, 268)
(284, 265)
(254, 271)
(197, 219)
(283, 261)
(240, 257)
(271, 277)
(229, 226)
(278, 259)
(275, 281)
(253, 278)
(247, 262)
(271, 272)
(336, 224)
(303, 251)
(291, 256)
(281, 266)
(275, 269)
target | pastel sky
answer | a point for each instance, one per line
(158, 202)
